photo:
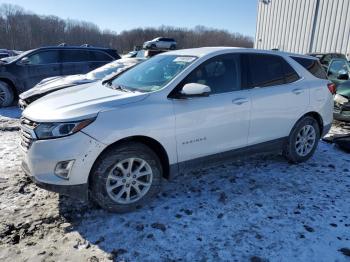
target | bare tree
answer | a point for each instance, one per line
(22, 30)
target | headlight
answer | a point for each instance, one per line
(54, 130)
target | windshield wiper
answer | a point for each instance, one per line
(119, 87)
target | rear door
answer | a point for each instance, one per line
(218, 122)
(75, 61)
(279, 96)
(41, 65)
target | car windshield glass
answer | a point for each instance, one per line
(12, 58)
(153, 74)
(111, 69)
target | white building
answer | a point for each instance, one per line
(304, 26)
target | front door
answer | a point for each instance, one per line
(41, 65)
(218, 122)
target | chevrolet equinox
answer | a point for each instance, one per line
(115, 141)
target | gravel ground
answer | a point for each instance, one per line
(256, 209)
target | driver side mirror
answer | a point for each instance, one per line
(195, 90)
(24, 61)
(343, 75)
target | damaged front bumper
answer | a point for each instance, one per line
(341, 108)
(41, 158)
(79, 192)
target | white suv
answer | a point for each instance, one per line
(160, 43)
(116, 141)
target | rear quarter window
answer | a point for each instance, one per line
(311, 65)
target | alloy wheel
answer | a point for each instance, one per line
(305, 141)
(2, 96)
(129, 180)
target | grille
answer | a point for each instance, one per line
(336, 107)
(27, 133)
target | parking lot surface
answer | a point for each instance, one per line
(256, 209)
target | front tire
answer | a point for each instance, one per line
(6, 95)
(302, 141)
(126, 177)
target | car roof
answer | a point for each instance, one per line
(203, 51)
(74, 47)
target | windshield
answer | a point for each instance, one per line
(112, 68)
(153, 74)
(12, 58)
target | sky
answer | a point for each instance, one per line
(118, 15)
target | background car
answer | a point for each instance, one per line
(337, 68)
(143, 53)
(160, 43)
(342, 102)
(325, 58)
(52, 84)
(22, 72)
(6, 53)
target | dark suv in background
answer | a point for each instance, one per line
(22, 72)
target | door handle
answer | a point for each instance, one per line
(240, 101)
(297, 91)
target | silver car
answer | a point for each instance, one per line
(160, 43)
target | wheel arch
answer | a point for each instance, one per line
(153, 144)
(316, 116)
(11, 85)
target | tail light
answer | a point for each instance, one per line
(332, 88)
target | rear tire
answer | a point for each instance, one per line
(302, 141)
(172, 47)
(126, 177)
(6, 94)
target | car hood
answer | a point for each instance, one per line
(51, 84)
(79, 102)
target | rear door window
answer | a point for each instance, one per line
(75, 56)
(263, 70)
(311, 65)
(44, 58)
(100, 56)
